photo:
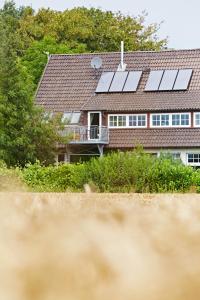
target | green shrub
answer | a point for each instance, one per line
(59, 178)
(196, 180)
(48, 179)
(168, 175)
(116, 172)
(139, 172)
(110, 173)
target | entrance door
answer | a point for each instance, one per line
(94, 125)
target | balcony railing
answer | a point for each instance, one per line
(87, 135)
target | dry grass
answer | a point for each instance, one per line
(99, 247)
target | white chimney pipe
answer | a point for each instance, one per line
(122, 55)
(122, 66)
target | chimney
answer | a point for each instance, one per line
(122, 66)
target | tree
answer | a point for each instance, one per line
(35, 57)
(25, 135)
(98, 30)
(81, 30)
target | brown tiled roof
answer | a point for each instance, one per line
(155, 138)
(69, 82)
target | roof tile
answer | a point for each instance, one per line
(69, 82)
(155, 138)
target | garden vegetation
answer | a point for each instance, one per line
(133, 171)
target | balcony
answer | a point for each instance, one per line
(87, 135)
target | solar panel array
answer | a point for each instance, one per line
(159, 80)
(120, 81)
(169, 80)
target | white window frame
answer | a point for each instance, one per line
(183, 113)
(170, 120)
(193, 163)
(100, 123)
(158, 114)
(127, 121)
(194, 119)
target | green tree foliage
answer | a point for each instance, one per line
(98, 30)
(81, 30)
(24, 132)
(35, 57)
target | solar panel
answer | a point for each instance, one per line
(118, 81)
(168, 80)
(132, 81)
(153, 81)
(104, 82)
(183, 79)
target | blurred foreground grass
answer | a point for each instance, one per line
(99, 246)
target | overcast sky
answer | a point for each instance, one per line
(181, 17)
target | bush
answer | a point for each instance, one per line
(139, 172)
(196, 180)
(133, 171)
(54, 178)
(168, 175)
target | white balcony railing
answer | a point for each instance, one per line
(87, 135)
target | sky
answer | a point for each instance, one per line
(181, 18)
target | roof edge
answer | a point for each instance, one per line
(137, 51)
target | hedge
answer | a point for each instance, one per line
(116, 172)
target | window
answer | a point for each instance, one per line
(180, 119)
(75, 118)
(170, 155)
(197, 119)
(156, 120)
(141, 121)
(184, 119)
(61, 157)
(66, 117)
(172, 119)
(193, 158)
(137, 121)
(117, 121)
(127, 121)
(121, 121)
(164, 120)
(132, 120)
(175, 120)
(71, 118)
(176, 155)
(113, 121)
(153, 154)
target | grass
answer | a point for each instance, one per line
(99, 246)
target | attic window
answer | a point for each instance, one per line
(75, 117)
(71, 117)
(67, 117)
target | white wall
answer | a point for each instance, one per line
(183, 154)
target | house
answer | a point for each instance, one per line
(119, 100)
